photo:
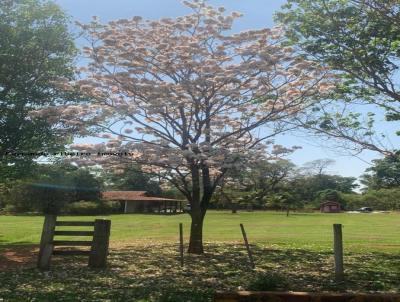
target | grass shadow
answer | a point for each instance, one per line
(152, 273)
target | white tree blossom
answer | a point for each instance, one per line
(188, 99)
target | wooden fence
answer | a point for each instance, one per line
(337, 249)
(98, 244)
(246, 296)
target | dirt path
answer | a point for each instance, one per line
(17, 256)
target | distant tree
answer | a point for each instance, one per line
(275, 184)
(307, 187)
(264, 179)
(384, 174)
(3, 192)
(132, 178)
(252, 185)
(83, 183)
(328, 195)
(53, 187)
(43, 194)
(382, 199)
(336, 182)
(36, 50)
(283, 200)
(318, 166)
(265, 183)
(232, 195)
(232, 188)
(266, 176)
(87, 186)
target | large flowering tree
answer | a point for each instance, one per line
(189, 100)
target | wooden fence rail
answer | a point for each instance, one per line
(98, 245)
(247, 296)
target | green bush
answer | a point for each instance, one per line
(92, 207)
(30, 196)
(9, 209)
(267, 281)
(50, 190)
(383, 199)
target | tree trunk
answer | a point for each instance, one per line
(234, 208)
(287, 211)
(196, 228)
(196, 234)
(199, 207)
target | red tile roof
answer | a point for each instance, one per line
(132, 196)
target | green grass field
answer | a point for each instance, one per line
(362, 232)
(291, 253)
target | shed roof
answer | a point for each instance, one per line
(132, 196)
(330, 202)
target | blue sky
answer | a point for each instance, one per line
(257, 14)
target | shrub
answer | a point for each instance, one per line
(50, 190)
(267, 281)
(30, 196)
(9, 209)
(328, 195)
(92, 207)
(383, 199)
(18, 199)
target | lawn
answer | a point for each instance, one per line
(362, 232)
(291, 253)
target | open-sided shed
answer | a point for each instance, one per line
(140, 202)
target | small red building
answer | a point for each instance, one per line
(330, 207)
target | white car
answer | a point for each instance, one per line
(365, 210)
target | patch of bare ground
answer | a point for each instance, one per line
(146, 271)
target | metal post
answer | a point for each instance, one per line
(181, 242)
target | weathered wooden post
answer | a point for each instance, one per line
(247, 246)
(46, 242)
(338, 252)
(101, 238)
(181, 242)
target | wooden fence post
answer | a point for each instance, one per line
(181, 242)
(46, 242)
(247, 246)
(101, 238)
(338, 252)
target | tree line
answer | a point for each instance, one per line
(278, 185)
